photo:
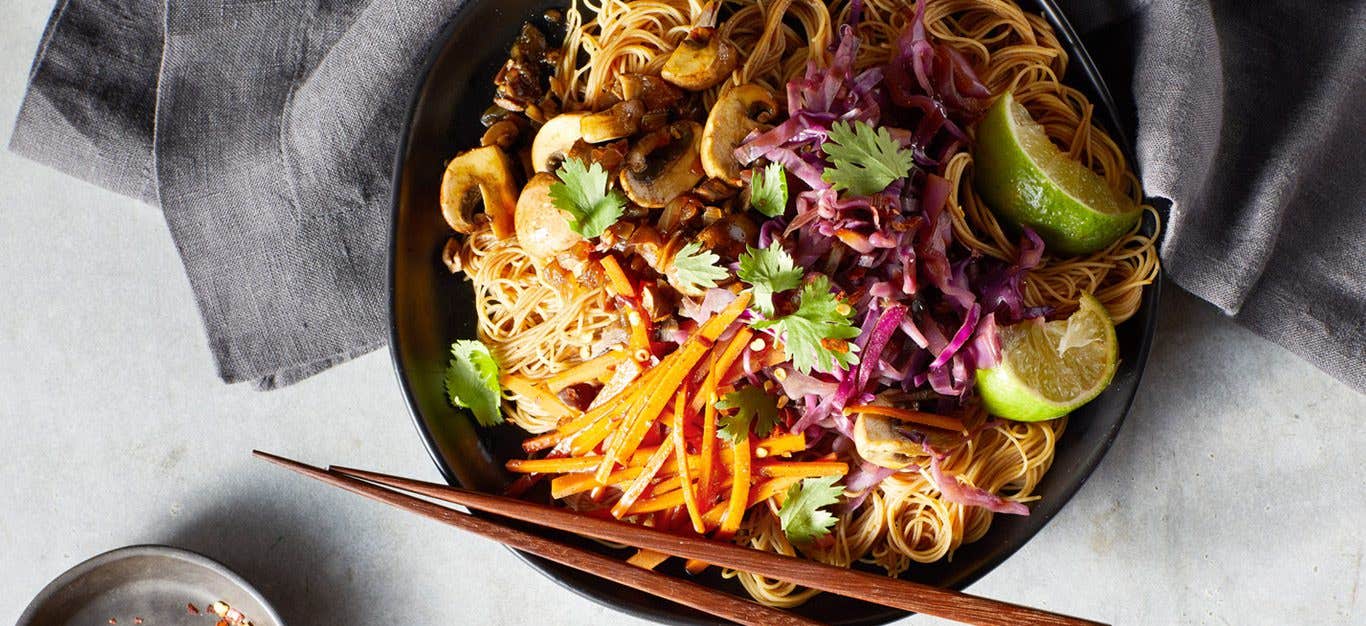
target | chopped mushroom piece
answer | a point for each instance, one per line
(737, 112)
(621, 120)
(663, 165)
(729, 236)
(542, 229)
(702, 59)
(654, 92)
(554, 141)
(480, 174)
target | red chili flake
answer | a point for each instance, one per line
(189, 608)
(137, 620)
(113, 621)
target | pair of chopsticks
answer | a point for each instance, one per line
(883, 590)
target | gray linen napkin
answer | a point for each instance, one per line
(265, 130)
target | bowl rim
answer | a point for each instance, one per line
(1082, 69)
(63, 580)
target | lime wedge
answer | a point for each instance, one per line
(1029, 181)
(1049, 369)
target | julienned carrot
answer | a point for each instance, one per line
(616, 278)
(548, 402)
(647, 559)
(780, 445)
(658, 503)
(639, 341)
(728, 356)
(647, 474)
(708, 394)
(718, 323)
(586, 371)
(560, 465)
(739, 488)
(685, 476)
(570, 484)
(805, 469)
(906, 415)
(680, 365)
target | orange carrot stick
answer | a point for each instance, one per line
(647, 559)
(685, 476)
(647, 474)
(617, 281)
(561, 465)
(906, 415)
(586, 371)
(779, 445)
(739, 488)
(805, 469)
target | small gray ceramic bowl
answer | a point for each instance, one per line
(152, 584)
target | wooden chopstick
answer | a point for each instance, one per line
(687, 593)
(884, 590)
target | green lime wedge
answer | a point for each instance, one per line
(1049, 369)
(1029, 181)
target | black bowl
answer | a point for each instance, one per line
(430, 308)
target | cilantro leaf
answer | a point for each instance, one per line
(768, 270)
(865, 161)
(801, 515)
(768, 191)
(755, 406)
(697, 269)
(585, 195)
(472, 381)
(819, 317)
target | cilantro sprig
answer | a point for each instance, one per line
(755, 406)
(815, 334)
(472, 381)
(769, 271)
(768, 190)
(696, 269)
(802, 517)
(865, 160)
(585, 195)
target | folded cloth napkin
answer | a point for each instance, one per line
(265, 130)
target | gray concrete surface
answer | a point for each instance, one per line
(1234, 495)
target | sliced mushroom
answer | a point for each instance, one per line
(480, 174)
(542, 229)
(737, 112)
(702, 59)
(621, 120)
(663, 165)
(554, 140)
(878, 442)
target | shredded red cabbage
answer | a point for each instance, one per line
(929, 306)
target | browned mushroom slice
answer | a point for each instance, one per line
(887, 441)
(542, 229)
(878, 442)
(479, 174)
(663, 165)
(702, 59)
(736, 113)
(621, 120)
(554, 141)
